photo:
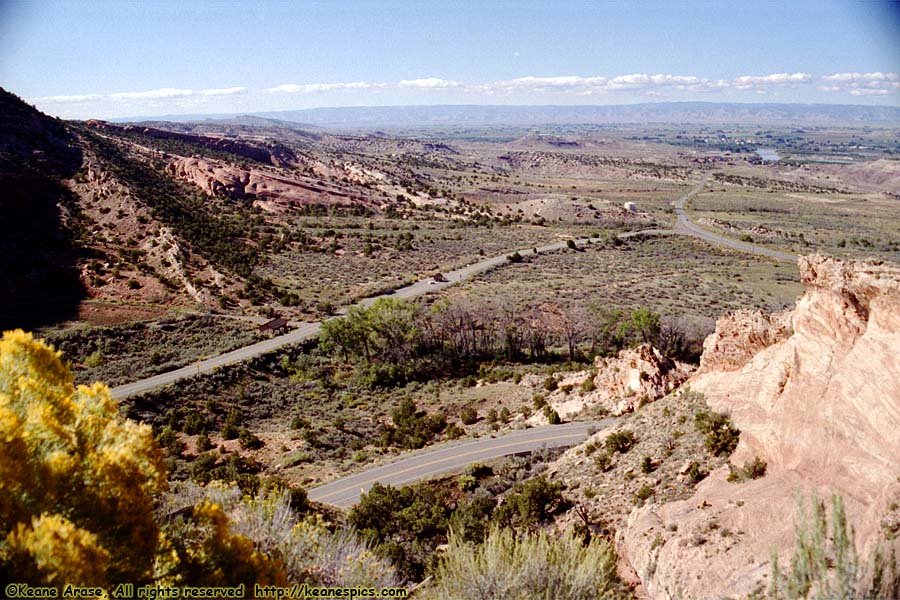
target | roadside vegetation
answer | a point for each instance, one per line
(825, 563)
(119, 354)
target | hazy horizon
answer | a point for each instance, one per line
(114, 60)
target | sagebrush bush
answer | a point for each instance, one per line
(305, 549)
(530, 566)
(825, 564)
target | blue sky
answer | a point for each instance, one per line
(107, 59)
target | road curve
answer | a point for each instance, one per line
(306, 331)
(453, 456)
(685, 226)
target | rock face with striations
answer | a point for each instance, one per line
(271, 191)
(816, 394)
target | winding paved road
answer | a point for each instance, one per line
(685, 226)
(453, 456)
(307, 331)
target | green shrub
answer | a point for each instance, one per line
(411, 428)
(231, 429)
(472, 518)
(550, 383)
(647, 465)
(467, 483)
(453, 431)
(532, 566)
(405, 525)
(643, 493)
(721, 435)
(248, 440)
(620, 441)
(94, 359)
(203, 443)
(468, 415)
(754, 469)
(299, 422)
(695, 474)
(604, 461)
(193, 422)
(552, 416)
(530, 503)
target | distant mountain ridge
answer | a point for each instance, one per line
(499, 115)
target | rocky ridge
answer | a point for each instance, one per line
(816, 394)
(271, 191)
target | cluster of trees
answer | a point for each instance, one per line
(393, 340)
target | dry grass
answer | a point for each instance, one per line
(673, 276)
(851, 225)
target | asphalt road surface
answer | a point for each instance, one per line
(453, 456)
(306, 331)
(685, 226)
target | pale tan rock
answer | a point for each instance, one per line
(621, 383)
(819, 402)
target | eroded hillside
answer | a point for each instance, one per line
(816, 395)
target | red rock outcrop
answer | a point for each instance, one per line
(270, 190)
(819, 402)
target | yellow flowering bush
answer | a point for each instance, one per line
(211, 554)
(77, 479)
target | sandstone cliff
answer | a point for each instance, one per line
(816, 394)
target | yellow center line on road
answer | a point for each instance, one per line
(448, 459)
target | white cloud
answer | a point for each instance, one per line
(862, 77)
(67, 99)
(747, 82)
(429, 83)
(872, 84)
(308, 88)
(223, 91)
(640, 82)
(869, 92)
(875, 83)
(161, 93)
(563, 81)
